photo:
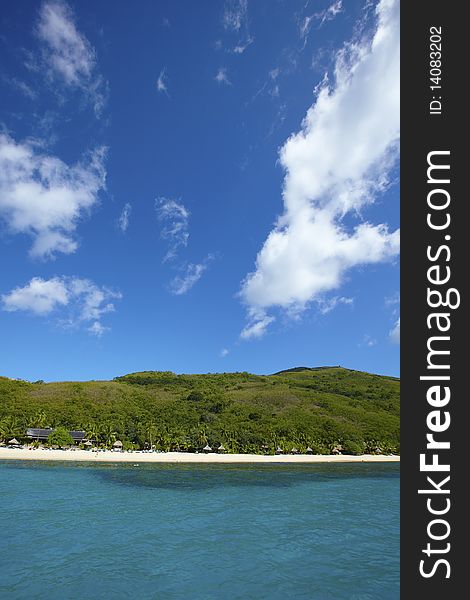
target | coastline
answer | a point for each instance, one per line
(184, 457)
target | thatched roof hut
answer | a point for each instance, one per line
(117, 445)
(88, 444)
(221, 448)
(13, 442)
(294, 451)
(278, 450)
(207, 448)
(309, 451)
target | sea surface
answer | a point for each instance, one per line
(199, 532)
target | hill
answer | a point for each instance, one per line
(322, 408)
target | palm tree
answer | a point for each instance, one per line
(38, 420)
(92, 431)
(108, 433)
(202, 437)
(150, 432)
(10, 427)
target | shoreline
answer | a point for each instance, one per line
(185, 457)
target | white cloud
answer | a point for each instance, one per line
(258, 322)
(72, 300)
(224, 352)
(182, 284)
(161, 83)
(43, 197)
(235, 20)
(368, 341)
(39, 296)
(395, 332)
(22, 87)
(334, 166)
(174, 218)
(393, 300)
(222, 77)
(123, 221)
(97, 329)
(235, 14)
(242, 46)
(323, 16)
(327, 305)
(67, 54)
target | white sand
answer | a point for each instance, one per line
(181, 457)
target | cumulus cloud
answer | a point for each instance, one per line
(73, 301)
(161, 82)
(43, 197)
(174, 219)
(394, 334)
(123, 221)
(67, 55)
(334, 167)
(222, 77)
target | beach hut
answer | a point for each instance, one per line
(337, 450)
(117, 446)
(294, 451)
(309, 451)
(207, 448)
(88, 444)
(278, 450)
(221, 448)
(13, 442)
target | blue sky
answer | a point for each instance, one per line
(198, 187)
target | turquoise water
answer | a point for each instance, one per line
(316, 532)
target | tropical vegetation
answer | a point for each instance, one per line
(328, 409)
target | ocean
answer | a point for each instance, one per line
(199, 532)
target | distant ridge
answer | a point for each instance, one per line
(296, 369)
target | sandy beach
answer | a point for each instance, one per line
(180, 457)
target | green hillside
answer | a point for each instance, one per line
(322, 408)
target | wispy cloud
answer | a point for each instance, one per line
(235, 14)
(393, 302)
(174, 219)
(395, 332)
(22, 87)
(325, 306)
(44, 198)
(235, 21)
(123, 221)
(74, 302)
(67, 55)
(222, 77)
(192, 273)
(161, 82)
(224, 352)
(322, 17)
(368, 341)
(335, 165)
(242, 46)
(258, 322)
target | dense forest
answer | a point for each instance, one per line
(328, 409)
